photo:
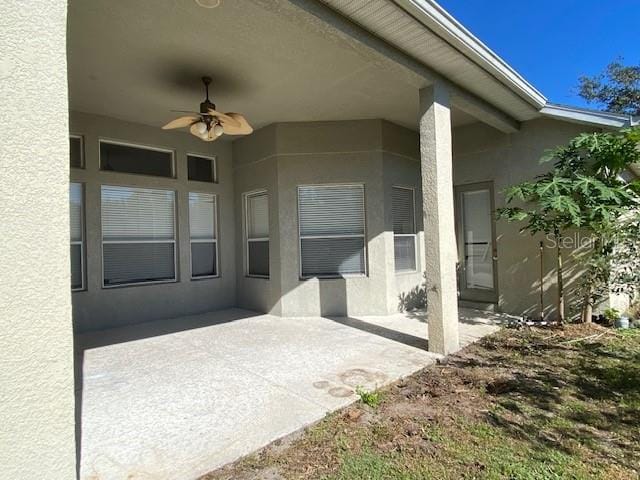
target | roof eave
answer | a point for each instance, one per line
(587, 117)
(437, 19)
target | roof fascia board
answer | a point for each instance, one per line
(587, 117)
(438, 20)
(462, 98)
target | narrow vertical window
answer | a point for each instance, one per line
(404, 229)
(257, 228)
(203, 228)
(76, 151)
(332, 230)
(138, 235)
(76, 209)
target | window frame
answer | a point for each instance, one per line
(175, 241)
(414, 234)
(200, 240)
(82, 155)
(312, 237)
(140, 146)
(214, 161)
(82, 240)
(245, 201)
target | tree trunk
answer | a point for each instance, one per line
(560, 282)
(587, 308)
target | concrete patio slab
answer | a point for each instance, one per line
(178, 398)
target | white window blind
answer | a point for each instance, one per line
(257, 218)
(203, 228)
(76, 213)
(138, 235)
(404, 229)
(332, 230)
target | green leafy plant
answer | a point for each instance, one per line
(583, 190)
(611, 314)
(372, 399)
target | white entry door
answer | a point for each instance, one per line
(476, 242)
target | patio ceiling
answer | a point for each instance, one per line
(270, 60)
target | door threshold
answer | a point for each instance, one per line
(478, 305)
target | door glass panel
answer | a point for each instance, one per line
(478, 244)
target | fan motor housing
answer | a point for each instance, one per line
(206, 105)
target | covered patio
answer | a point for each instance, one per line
(175, 373)
(177, 398)
(125, 236)
(343, 123)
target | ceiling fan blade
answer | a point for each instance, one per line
(181, 122)
(224, 118)
(243, 129)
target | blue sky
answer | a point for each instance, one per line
(552, 43)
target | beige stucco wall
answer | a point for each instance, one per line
(481, 154)
(277, 159)
(36, 343)
(255, 168)
(97, 307)
(401, 167)
(283, 156)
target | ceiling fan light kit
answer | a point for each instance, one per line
(208, 3)
(208, 124)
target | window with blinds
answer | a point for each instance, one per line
(257, 228)
(404, 229)
(332, 230)
(138, 235)
(202, 231)
(76, 213)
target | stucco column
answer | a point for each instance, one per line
(36, 340)
(439, 223)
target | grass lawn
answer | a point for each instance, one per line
(529, 404)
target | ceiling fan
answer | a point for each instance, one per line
(208, 124)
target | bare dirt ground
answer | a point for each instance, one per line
(527, 404)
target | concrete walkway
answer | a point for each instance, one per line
(178, 398)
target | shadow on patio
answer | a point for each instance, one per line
(181, 397)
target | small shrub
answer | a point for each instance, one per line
(373, 399)
(611, 314)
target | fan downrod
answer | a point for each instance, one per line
(207, 104)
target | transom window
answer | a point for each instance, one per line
(332, 230)
(203, 228)
(76, 210)
(125, 158)
(76, 151)
(257, 228)
(404, 229)
(201, 168)
(138, 235)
